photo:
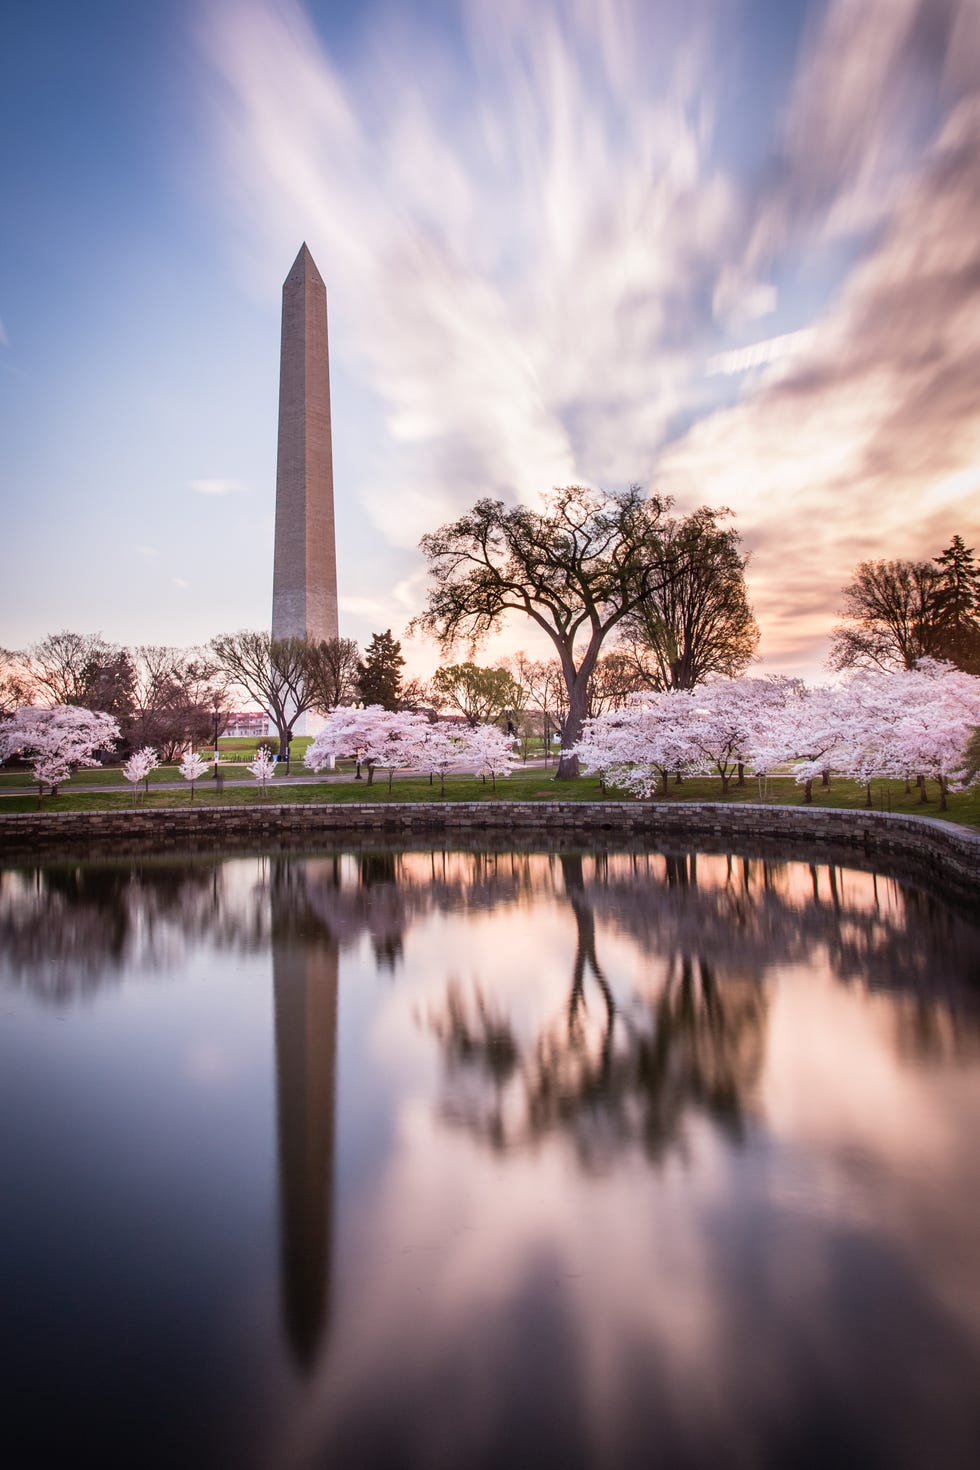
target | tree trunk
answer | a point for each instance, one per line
(568, 765)
(942, 794)
(808, 791)
(920, 781)
(870, 800)
(741, 773)
(825, 778)
(577, 685)
(370, 771)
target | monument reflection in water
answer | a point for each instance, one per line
(304, 977)
(619, 1159)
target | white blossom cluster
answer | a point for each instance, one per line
(393, 741)
(911, 723)
(57, 740)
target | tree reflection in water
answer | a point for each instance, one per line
(67, 930)
(630, 1077)
(607, 1071)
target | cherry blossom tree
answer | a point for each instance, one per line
(389, 739)
(729, 720)
(193, 767)
(491, 752)
(636, 747)
(441, 754)
(263, 768)
(895, 724)
(399, 742)
(808, 730)
(717, 727)
(938, 709)
(346, 732)
(866, 749)
(139, 766)
(59, 739)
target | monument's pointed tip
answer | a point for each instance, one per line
(304, 261)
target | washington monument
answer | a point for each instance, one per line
(304, 579)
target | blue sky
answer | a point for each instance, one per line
(546, 229)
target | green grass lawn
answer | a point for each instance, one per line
(536, 785)
(243, 748)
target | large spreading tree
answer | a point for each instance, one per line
(698, 622)
(576, 568)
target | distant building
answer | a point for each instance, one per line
(247, 725)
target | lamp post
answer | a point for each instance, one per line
(216, 713)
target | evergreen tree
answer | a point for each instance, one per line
(379, 676)
(958, 589)
(957, 599)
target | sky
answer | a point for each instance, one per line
(725, 249)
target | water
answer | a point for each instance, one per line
(456, 1159)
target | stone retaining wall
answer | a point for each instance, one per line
(925, 842)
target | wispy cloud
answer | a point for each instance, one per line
(216, 486)
(758, 354)
(866, 442)
(4, 339)
(544, 272)
(521, 246)
(179, 583)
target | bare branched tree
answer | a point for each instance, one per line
(891, 617)
(698, 621)
(82, 669)
(175, 697)
(272, 671)
(14, 682)
(333, 673)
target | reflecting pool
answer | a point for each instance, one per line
(451, 1159)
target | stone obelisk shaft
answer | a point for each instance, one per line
(304, 581)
